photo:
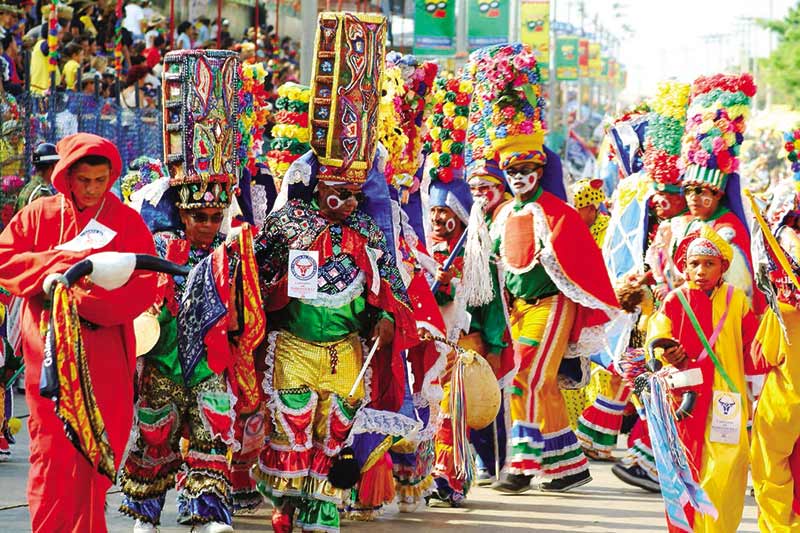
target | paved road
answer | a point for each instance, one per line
(604, 506)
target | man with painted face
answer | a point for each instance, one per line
(208, 321)
(330, 284)
(553, 272)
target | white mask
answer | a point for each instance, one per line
(522, 182)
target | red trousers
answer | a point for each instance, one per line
(65, 493)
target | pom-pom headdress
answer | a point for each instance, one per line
(786, 195)
(715, 128)
(290, 134)
(345, 92)
(508, 106)
(254, 112)
(411, 103)
(663, 137)
(390, 131)
(447, 128)
(201, 126)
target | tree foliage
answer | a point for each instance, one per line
(783, 65)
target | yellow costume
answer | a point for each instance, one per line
(723, 468)
(776, 426)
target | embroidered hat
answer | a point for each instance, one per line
(662, 146)
(290, 134)
(345, 90)
(704, 241)
(715, 126)
(588, 192)
(507, 111)
(201, 126)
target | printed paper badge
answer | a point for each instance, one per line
(303, 274)
(726, 418)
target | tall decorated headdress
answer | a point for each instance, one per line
(446, 143)
(418, 79)
(390, 131)
(254, 113)
(290, 134)
(786, 194)
(346, 78)
(201, 126)
(715, 126)
(508, 107)
(662, 147)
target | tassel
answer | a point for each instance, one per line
(344, 472)
(477, 277)
(462, 453)
(377, 484)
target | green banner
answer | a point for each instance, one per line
(567, 58)
(435, 28)
(487, 23)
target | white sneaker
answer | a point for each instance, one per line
(213, 527)
(144, 527)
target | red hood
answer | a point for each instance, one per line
(74, 147)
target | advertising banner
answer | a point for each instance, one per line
(567, 58)
(435, 28)
(487, 23)
(534, 18)
(583, 58)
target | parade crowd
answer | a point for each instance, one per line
(383, 287)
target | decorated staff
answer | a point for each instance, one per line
(329, 279)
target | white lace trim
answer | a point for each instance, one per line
(384, 422)
(298, 172)
(347, 295)
(591, 341)
(550, 263)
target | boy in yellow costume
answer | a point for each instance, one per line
(715, 435)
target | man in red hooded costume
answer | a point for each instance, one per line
(65, 493)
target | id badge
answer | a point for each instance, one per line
(726, 417)
(93, 237)
(303, 274)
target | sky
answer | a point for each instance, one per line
(681, 39)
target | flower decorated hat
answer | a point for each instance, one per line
(254, 114)
(201, 126)
(786, 194)
(290, 134)
(418, 78)
(142, 171)
(345, 92)
(662, 146)
(507, 113)
(715, 128)
(446, 143)
(390, 131)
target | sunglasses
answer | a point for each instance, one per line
(202, 218)
(698, 191)
(346, 194)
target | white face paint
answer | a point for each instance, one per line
(450, 225)
(333, 202)
(522, 182)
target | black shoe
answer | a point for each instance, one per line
(636, 476)
(566, 483)
(513, 483)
